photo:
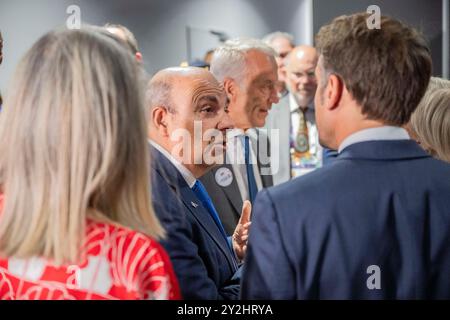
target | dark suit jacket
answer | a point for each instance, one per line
(204, 264)
(227, 200)
(380, 203)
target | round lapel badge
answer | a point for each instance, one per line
(224, 177)
(301, 143)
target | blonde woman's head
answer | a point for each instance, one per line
(430, 122)
(73, 146)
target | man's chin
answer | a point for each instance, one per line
(303, 99)
(260, 120)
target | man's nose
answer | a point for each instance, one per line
(274, 98)
(225, 122)
(304, 80)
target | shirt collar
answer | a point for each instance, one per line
(187, 175)
(375, 134)
(236, 132)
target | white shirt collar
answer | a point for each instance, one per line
(187, 175)
(236, 132)
(373, 134)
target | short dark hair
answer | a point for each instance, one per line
(386, 70)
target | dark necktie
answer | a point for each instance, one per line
(203, 196)
(252, 187)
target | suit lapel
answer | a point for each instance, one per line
(206, 221)
(264, 153)
(171, 175)
(267, 180)
(232, 191)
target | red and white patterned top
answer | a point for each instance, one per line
(120, 264)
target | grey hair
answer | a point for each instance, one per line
(159, 94)
(229, 59)
(271, 37)
(430, 122)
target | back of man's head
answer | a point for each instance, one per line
(386, 70)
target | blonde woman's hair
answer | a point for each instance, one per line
(73, 147)
(431, 123)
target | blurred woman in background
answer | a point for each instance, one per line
(430, 122)
(76, 220)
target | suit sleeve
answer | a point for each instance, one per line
(183, 252)
(267, 272)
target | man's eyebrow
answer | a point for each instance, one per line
(264, 76)
(207, 98)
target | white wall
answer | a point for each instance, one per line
(426, 16)
(159, 25)
(22, 22)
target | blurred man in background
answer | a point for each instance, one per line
(282, 43)
(127, 36)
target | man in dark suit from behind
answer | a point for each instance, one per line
(374, 224)
(186, 106)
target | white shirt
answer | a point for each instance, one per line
(187, 175)
(236, 157)
(375, 134)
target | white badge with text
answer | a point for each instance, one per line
(224, 177)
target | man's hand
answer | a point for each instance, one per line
(240, 235)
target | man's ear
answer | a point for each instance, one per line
(333, 91)
(159, 120)
(231, 89)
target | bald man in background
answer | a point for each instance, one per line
(300, 151)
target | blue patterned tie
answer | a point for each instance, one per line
(252, 188)
(203, 196)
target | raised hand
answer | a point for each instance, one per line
(240, 235)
